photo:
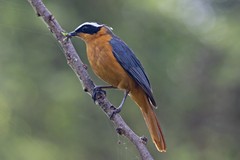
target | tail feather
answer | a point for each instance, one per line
(155, 130)
(150, 118)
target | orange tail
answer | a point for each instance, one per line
(150, 118)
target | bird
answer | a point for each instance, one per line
(115, 63)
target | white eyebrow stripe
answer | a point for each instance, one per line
(89, 23)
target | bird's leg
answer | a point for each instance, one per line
(117, 110)
(98, 91)
(123, 100)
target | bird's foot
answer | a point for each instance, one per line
(98, 93)
(115, 111)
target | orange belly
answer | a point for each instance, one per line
(105, 66)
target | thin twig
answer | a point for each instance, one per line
(79, 68)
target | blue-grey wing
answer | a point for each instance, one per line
(131, 65)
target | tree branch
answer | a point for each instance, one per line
(79, 68)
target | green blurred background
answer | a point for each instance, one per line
(189, 48)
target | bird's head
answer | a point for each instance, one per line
(90, 30)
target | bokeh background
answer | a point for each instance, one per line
(189, 48)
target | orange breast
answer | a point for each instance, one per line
(105, 65)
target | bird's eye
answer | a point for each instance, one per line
(84, 28)
(88, 29)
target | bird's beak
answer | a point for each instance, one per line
(71, 34)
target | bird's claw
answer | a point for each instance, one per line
(98, 93)
(115, 111)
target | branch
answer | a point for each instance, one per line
(80, 70)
